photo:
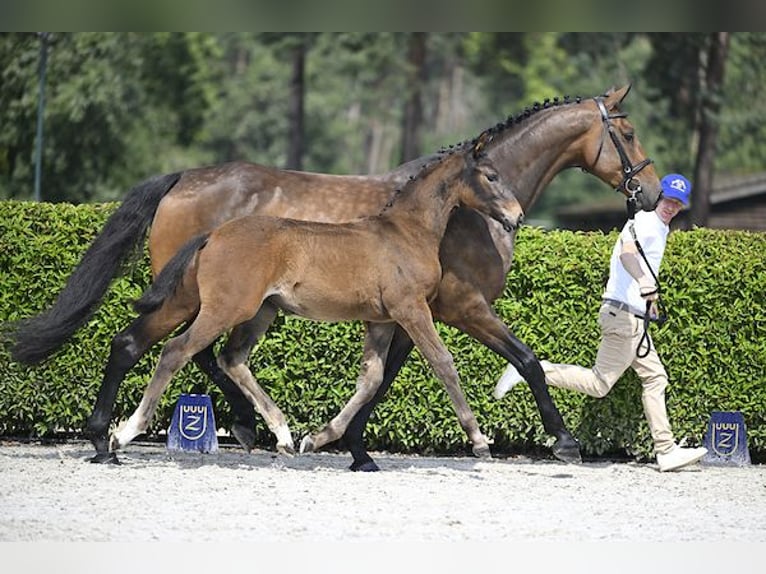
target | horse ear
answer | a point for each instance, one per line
(481, 142)
(615, 96)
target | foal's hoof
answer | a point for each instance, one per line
(307, 445)
(286, 449)
(245, 436)
(366, 466)
(482, 451)
(567, 450)
(105, 458)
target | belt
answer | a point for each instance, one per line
(622, 307)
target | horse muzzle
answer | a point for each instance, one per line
(511, 225)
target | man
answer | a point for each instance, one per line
(630, 293)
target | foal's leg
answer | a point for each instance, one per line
(243, 425)
(418, 323)
(377, 340)
(176, 353)
(233, 360)
(475, 317)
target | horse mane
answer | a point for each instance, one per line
(514, 120)
(434, 161)
(510, 122)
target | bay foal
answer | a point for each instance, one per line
(383, 270)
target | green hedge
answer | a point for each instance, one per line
(714, 345)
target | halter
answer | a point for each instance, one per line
(629, 185)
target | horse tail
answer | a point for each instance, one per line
(171, 275)
(37, 337)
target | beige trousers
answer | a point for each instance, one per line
(621, 332)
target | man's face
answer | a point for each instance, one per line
(668, 208)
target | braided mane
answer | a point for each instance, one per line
(514, 120)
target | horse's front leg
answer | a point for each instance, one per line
(418, 323)
(377, 340)
(475, 317)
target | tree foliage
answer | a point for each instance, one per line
(117, 105)
(122, 106)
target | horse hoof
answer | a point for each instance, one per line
(105, 458)
(100, 441)
(367, 466)
(567, 450)
(482, 451)
(245, 436)
(286, 449)
(307, 445)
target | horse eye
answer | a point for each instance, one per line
(628, 136)
(492, 176)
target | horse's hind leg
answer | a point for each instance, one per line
(233, 361)
(176, 353)
(243, 426)
(418, 323)
(127, 348)
(377, 340)
(480, 321)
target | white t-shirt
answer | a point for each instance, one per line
(652, 234)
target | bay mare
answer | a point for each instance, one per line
(529, 148)
(382, 270)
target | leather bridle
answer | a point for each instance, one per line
(630, 186)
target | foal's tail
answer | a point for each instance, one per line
(171, 275)
(37, 337)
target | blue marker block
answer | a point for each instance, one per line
(726, 440)
(193, 425)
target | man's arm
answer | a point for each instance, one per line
(629, 260)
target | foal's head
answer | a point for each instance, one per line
(486, 190)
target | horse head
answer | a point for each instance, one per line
(487, 190)
(614, 153)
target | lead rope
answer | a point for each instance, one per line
(645, 340)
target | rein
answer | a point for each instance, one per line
(661, 317)
(630, 187)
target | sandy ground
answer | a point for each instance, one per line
(49, 493)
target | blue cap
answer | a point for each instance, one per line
(676, 186)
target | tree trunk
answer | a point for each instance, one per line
(297, 93)
(708, 128)
(413, 110)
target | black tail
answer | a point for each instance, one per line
(37, 337)
(166, 282)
